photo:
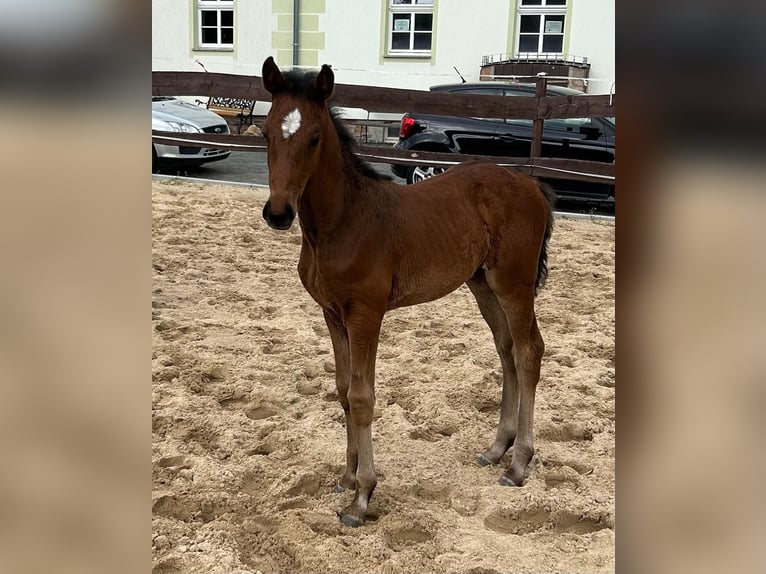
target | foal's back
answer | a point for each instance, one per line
(477, 187)
(474, 215)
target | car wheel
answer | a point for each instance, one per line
(155, 161)
(419, 173)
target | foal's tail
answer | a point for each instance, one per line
(542, 262)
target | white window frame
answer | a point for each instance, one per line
(217, 6)
(541, 10)
(417, 7)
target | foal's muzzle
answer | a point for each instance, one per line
(278, 220)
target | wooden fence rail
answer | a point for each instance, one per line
(556, 168)
(394, 100)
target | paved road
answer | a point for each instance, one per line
(250, 167)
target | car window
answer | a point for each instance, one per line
(567, 124)
(517, 122)
(519, 92)
(482, 91)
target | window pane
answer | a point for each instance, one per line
(424, 1)
(227, 18)
(554, 25)
(227, 35)
(424, 21)
(531, 2)
(423, 41)
(209, 36)
(556, 3)
(553, 43)
(209, 18)
(530, 24)
(400, 41)
(529, 43)
(401, 23)
(402, 2)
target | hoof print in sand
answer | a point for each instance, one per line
(177, 462)
(307, 484)
(561, 477)
(534, 519)
(260, 412)
(405, 534)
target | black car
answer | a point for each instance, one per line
(578, 138)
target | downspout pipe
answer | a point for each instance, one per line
(296, 29)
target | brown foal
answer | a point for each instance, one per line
(370, 245)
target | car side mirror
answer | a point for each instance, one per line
(590, 131)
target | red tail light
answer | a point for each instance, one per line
(408, 123)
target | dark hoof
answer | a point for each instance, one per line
(484, 461)
(505, 481)
(351, 521)
(339, 488)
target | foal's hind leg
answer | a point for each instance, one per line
(517, 299)
(509, 407)
(339, 338)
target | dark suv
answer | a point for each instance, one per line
(580, 138)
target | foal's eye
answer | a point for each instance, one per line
(314, 141)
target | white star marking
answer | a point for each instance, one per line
(291, 123)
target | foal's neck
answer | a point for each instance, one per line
(327, 191)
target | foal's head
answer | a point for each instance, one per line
(294, 130)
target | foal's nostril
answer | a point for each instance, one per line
(278, 220)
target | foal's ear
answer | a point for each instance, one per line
(325, 82)
(272, 77)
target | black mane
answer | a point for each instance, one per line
(302, 85)
(348, 145)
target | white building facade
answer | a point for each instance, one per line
(393, 43)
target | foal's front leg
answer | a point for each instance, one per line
(339, 338)
(363, 332)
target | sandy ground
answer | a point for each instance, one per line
(248, 438)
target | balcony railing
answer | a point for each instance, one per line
(534, 57)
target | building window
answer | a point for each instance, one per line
(215, 23)
(540, 27)
(411, 27)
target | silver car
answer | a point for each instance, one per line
(174, 115)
